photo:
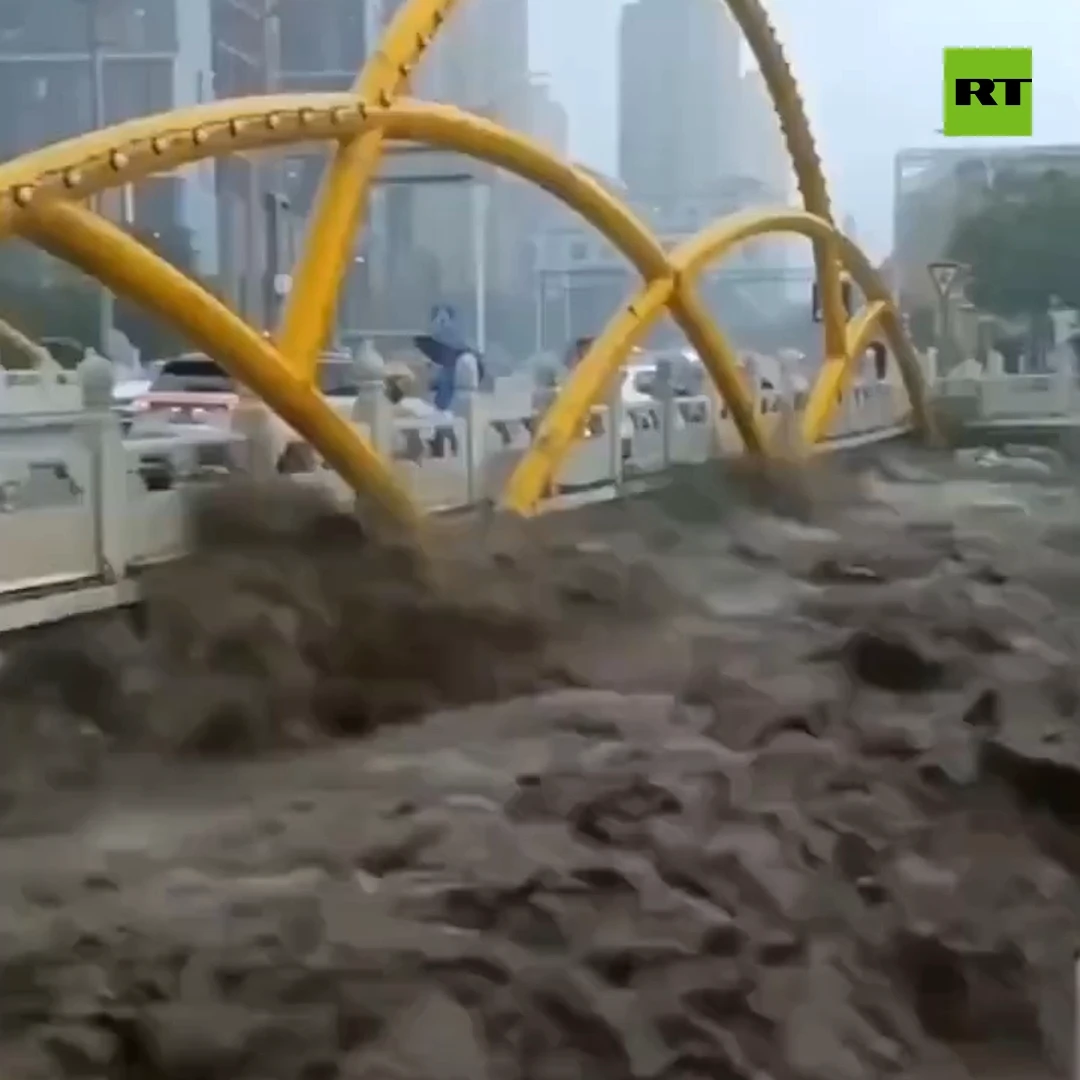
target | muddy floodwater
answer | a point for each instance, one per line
(749, 778)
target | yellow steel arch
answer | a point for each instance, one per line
(756, 27)
(716, 240)
(36, 193)
(594, 372)
(339, 209)
(35, 353)
(85, 165)
(309, 311)
(100, 248)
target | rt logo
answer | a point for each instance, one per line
(988, 92)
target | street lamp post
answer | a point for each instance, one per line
(252, 416)
(276, 284)
(264, 182)
(97, 118)
(263, 62)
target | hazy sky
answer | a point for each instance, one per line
(866, 100)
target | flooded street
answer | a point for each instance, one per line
(735, 780)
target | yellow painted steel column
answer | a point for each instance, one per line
(339, 209)
(874, 288)
(753, 21)
(35, 353)
(101, 249)
(834, 377)
(588, 384)
(722, 364)
(911, 370)
(82, 166)
(830, 288)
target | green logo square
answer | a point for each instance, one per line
(988, 92)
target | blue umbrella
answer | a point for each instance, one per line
(443, 346)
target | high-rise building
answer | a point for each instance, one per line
(678, 97)
(479, 62)
(547, 120)
(762, 151)
(763, 160)
(67, 66)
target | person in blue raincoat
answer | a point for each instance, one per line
(445, 347)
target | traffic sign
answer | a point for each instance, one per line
(944, 275)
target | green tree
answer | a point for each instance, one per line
(1021, 244)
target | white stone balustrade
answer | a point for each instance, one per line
(992, 396)
(84, 504)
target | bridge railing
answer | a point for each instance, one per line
(984, 396)
(87, 500)
(1048, 395)
(49, 532)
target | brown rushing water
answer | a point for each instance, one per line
(736, 780)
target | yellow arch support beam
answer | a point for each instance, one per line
(864, 327)
(137, 149)
(84, 166)
(98, 247)
(824, 399)
(34, 352)
(717, 239)
(753, 21)
(339, 208)
(592, 376)
(361, 123)
(591, 380)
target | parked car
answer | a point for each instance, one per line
(195, 390)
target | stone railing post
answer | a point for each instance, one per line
(469, 407)
(664, 392)
(615, 414)
(372, 407)
(108, 467)
(253, 420)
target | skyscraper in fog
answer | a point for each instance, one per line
(678, 97)
(547, 120)
(480, 59)
(762, 151)
(479, 62)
